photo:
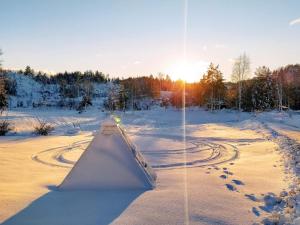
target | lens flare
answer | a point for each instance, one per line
(187, 70)
(186, 202)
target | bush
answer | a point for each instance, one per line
(4, 127)
(43, 128)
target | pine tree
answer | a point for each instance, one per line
(28, 71)
(3, 96)
(213, 87)
(123, 98)
(263, 89)
(0, 61)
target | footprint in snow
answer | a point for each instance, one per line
(267, 209)
(231, 187)
(252, 197)
(238, 182)
(228, 172)
(223, 176)
(255, 211)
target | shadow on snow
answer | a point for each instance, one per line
(75, 207)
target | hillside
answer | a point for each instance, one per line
(26, 92)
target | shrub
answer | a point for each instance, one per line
(43, 128)
(5, 127)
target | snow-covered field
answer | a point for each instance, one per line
(232, 168)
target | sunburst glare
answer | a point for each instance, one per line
(187, 70)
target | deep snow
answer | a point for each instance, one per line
(234, 163)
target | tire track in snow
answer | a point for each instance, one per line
(55, 156)
(214, 154)
(201, 153)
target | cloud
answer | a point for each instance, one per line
(204, 48)
(294, 22)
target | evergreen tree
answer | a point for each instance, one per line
(0, 61)
(28, 71)
(123, 99)
(263, 89)
(177, 96)
(213, 87)
(3, 96)
(247, 95)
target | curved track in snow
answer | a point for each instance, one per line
(202, 153)
(199, 153)
(57, 157)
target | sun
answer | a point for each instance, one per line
(187, 70)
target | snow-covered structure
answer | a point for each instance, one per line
(110, 162)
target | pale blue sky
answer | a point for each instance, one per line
(128, 37)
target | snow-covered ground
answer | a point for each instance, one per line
(232, 168)
(30, 93)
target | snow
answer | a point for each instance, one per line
(235, 168)
(30, 93)
(110, 162)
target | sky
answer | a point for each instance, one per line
(138, 37)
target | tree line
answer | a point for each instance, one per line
(264, 90)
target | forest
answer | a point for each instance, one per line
(261, 90)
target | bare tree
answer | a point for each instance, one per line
(160, 76)
(279, 88)
(240, 72)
